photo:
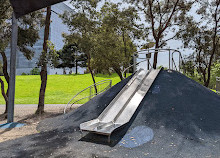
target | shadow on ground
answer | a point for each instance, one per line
(180, 111)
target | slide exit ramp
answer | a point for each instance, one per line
(123, 106)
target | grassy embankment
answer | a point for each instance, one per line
(60, 88)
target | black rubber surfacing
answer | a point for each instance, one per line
(183, 115)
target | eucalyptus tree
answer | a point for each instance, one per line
(105, 36)
(202, 36)
(109, 51)
(43, 63)
(163, 19)
(114, 38)
(210, 12)
(82, 23)
(28, 28)
(123, 22)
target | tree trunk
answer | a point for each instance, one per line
(90, 70)
(213, 43)
(118, 72)
(210, 61)
(156, 54)
(43, 72)
(6, 76)
(5, 67)
(202, 71)
(204, 76)
(76, 67)
(4, 95)
(70, 72)
(125, 51)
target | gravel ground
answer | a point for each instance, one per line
(25, 114)
(177, 118)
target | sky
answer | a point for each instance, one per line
(163, 58)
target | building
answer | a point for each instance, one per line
(57, 28)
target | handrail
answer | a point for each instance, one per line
(130, 67)
(218, 85)
(172, 63)
(171, 58)
(91, 95)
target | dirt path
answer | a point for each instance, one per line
(25, 114)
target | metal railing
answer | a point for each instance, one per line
(130, 67)
(171, 60)
(218, 85)
(171, 52)
(89, 92)
(149, 52)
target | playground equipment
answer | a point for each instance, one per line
(89, 92)
(218, 85)
(124, 105)
(148, 52)
(172, 65)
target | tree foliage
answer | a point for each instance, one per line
(82, 24)
(163, 19)
(71, 57)
(117, 32)
(105, 36)
(201, 36)
(28, 28)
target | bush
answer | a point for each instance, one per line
(35, 71)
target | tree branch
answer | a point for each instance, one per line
(152, 18)
(5, 66)
(3, 91)
(169, 39)
(171, 15)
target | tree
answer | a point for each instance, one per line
(82, 25)
(210, 10)
(121, 24)
(70, 57)
(201, 35)
(163, 17)
(48, 56)
(109, 51)
(105, 36)
(28, 28)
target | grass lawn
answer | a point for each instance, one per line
(60, 88)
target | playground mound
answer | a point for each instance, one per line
(177, 118)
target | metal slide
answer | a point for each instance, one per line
(124, 105)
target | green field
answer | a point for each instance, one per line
(60, 88)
